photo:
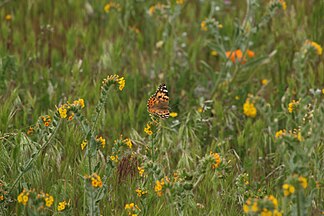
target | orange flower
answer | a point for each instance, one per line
(237, 55)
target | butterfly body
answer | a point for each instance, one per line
(158, 104)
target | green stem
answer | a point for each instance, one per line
(34, 157)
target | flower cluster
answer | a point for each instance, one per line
(237, 56)
(292, 105)
(315, 46)
(210, 23)
(158, 188)
(128, 142)
(114, 158)
(23, 197)
(288, 189)
(293, 183)
(140, 192)
(158, 7)
(266, 206)
(249, 109)
(111, 5)
(61, 206)
(65, 109)
(102, 141)
(132, 209)
(113, 79)
(84, 144)
(295, 133)
(95, 180)
(147, 129)
(46, 120)
(49, 200)
(217, 160)
(140, 171)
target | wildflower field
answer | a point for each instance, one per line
(171, 107)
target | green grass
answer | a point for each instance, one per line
(52, 52)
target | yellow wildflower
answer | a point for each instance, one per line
(151, 10)
(293, 104)
(140, 171)
(214, 53)
(49, 200)
(264, 82)
(107, 7)
(255, 207)
(180, 2)
(159, 187)
(140, 192)
(63, 112)
(249, 109)
(266, 212)
(302, 181)
(203, 26)
(102, 141)
(148, 130)
(288, 189)
(217, 160)
(8, 17)
(283, 4)
(23, 197)
(173, 114)
(96, 180)
(114, 158)
(121, 81)
(316, 46)
(246, 208)
(79, 102)
(280, 133)
(84, 144)
(128, 142)
(61, 206)
(200, 109)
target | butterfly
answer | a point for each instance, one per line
(158, 104)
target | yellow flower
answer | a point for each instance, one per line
(293, 104)
(266, 212)
(200, 109)
(63, 112)
(151, 10)
(140, 171)
(8, 17)
(214, 53)
(264, 82)
(49, 200)
(61, 206)
(203, 26)
(140, 192)
(249, 109)
(302, 181)
(148, 130)
(102, 141)
(288, 189)
(283, 4)
(255, 207)
(121, 82)
(23, 197)
(107, 7)
(96, 180)
(246, 208)
(316, 46)
(128, 142)
(180, 2)
(280, 133)
(217, 160)
(84, 144)
(159, 187)
(114, 158)
(173, 114)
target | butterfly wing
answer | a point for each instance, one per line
(158, 104)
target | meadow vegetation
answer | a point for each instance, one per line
(246, 86)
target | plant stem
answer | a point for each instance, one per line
(34, 157)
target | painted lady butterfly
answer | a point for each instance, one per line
(158, 104)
